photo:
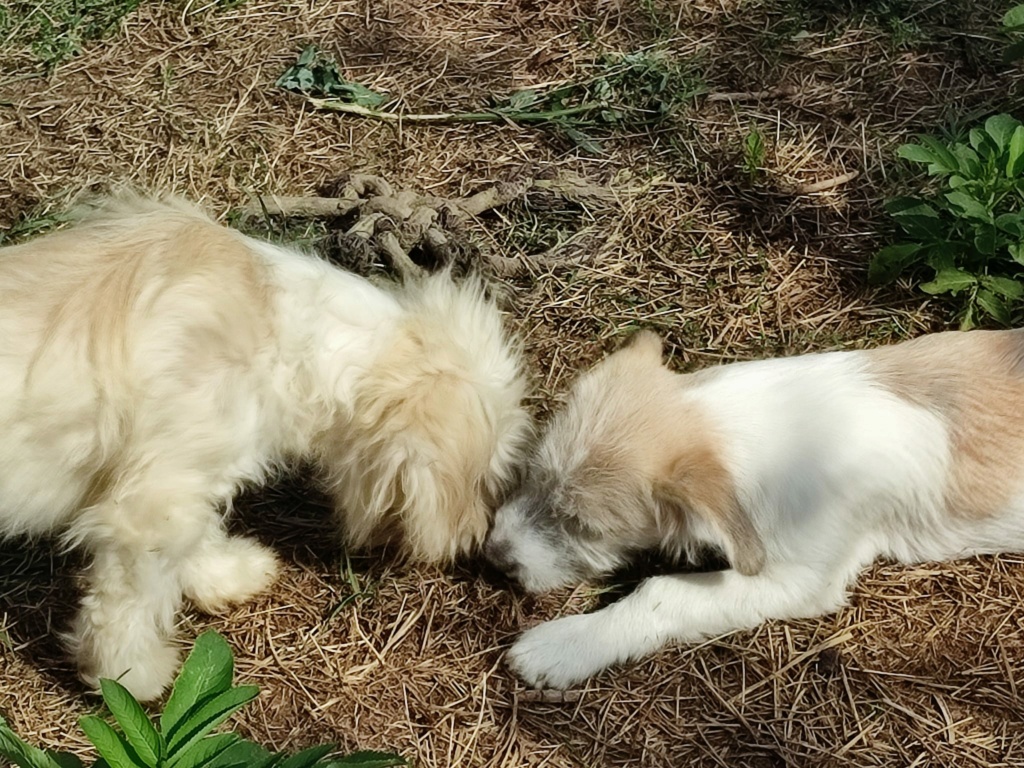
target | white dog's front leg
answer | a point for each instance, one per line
(227, 570)
(680, 608)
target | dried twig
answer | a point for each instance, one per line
(392, 224)
(825, 184)
(772, 93)
(549, 696)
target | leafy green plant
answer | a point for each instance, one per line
(624, 91)
(753, 154)
(971, 234)
(315, 75)
(1013, 26)
(202, 699)
(56, 30)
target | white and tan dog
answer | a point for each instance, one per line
(802, 471)
(152, 362)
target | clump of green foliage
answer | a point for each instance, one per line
(970, 234)
(623, 91)
(753, 154)
(1013, 27)
(56, 30)
(316, 75)
(203, 697)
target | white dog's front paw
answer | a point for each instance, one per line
(561, 653)
(231, 573)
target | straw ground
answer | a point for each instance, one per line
(730, 255)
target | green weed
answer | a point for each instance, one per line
(56, 30)
(971, 234)
(1013, 28)
(623, 92)
(753, 155)
(203, 698)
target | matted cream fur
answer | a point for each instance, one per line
(153, 362)
(800, 470)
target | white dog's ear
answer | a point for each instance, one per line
(698, 484)
(644, 344)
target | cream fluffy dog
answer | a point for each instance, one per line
(152, 362)
(801, 471)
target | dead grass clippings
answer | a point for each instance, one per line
(922, 669)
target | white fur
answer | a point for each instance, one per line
(153, 362)
(832, 466)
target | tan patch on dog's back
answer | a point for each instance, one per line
(975, 382)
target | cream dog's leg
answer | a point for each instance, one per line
(225, 570)
(683, 608)
(142, 537)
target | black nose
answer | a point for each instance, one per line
(499, 554)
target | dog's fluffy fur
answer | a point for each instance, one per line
(153, 362)
(801, 471)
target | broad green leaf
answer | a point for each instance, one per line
(1014, 51)
(244, 754)
(1015, 158)
(917, 217)
(994, 306)
(307, 56)
(205, 718)
(522, 99)
(110, 744)
(889, 262)
(1004, 286)
(135, 725)
(1001, 128)
(971, 208)
(207, 750)
(942, 256)
(1016, 252)
(956, 181)
(967, 161)
(985, 239)
(944, 159)
(1011, 223)
(359, 94)
(916, 153)
(949, 281)
(969, 318)
(206, 673)
(983, 144)
(25, 755)
(367, 759)
(308, 758)
(65, 759)
(1014, 17)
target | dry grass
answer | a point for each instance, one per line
(921, 670)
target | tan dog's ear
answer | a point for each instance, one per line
(699, 484)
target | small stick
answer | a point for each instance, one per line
(492, 197)
(316, 207)
(771, 93)
(404, 266)
(492, 116)
(826, 184)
